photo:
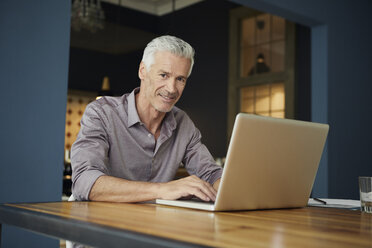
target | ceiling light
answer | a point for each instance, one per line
(87, 14)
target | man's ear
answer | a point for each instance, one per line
(142, 71)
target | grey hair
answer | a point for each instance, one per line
(170, 44)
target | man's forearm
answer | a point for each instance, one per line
(113, 189)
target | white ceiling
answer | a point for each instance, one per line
(154, 7)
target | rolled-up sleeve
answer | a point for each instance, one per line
(89, 153)
(198, 160)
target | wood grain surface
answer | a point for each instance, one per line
(302, 227)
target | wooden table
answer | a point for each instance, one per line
(141, 225)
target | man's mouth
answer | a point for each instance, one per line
(168, 97)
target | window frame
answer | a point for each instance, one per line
(235, 81)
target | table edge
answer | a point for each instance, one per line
(82, 232)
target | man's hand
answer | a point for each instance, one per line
(216, 184)
(185, 187)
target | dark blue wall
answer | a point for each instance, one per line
(341, 58)
(34, 42)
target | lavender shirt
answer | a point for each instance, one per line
(113, 141)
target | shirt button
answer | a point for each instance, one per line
(149, 135)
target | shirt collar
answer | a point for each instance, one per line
(133, 117)
(170, 121)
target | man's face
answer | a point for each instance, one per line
(164, 83)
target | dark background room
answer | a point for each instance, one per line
(46, 64)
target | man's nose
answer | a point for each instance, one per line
(171, 85)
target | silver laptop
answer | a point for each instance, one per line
(271, 163)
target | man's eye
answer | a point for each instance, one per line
(181, 79)
(163, 75)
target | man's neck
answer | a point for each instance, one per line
(148, 115)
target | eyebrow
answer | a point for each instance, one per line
(166, 72)
(162, 71)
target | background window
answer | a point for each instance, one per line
(266, 99)
(261, 65)
(262, 45)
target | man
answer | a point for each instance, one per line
(129, 148)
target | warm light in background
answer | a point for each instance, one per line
(267, 100)
(76, 104)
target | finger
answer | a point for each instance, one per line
(209, 192)
(211, 188)
(203, 191)
(200, 194)
(198, 180)
(206, 187)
